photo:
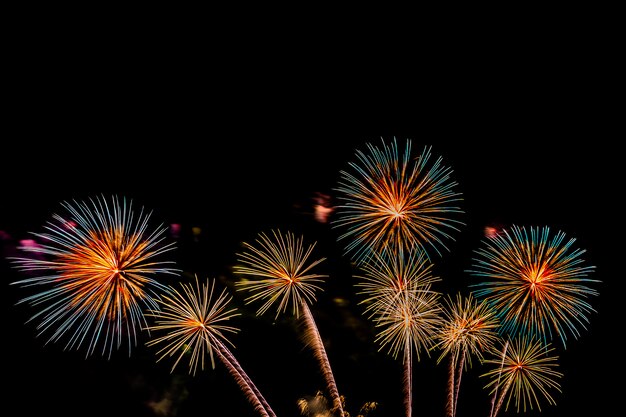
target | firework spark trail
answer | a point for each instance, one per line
(450, 401)
(536, 283)
(468, 328)
(97, 268)
(316, 343)
(495, 393)
(242, 374)
(194, 321)
(524, 370)
(408, 380)
(393, 200)
(501, 400)
(459, 374)
(278, 269)
(241, 378)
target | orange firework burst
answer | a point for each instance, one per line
(397, 201)
(98, 269)
(523, 369)
(535, 282)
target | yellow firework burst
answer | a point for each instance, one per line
(278, 270)
(523, 370)
(194, 321)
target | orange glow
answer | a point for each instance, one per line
(99, 272)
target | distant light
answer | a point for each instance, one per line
(175, 229)
(323, 207)
(491, 232)
(29, 243)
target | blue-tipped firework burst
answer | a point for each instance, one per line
(398, 201)
(536, 282)
(94, 274)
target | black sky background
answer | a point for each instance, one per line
(244, 152)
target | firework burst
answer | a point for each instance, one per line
(535, 282)
(393, 200)
(468, 329)
(523, 370)
(408, 322)
(387, 274)
(278, 269)
(468, 326)
(397, 285)
(195, 322)
(95, 274)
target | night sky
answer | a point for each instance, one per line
(234, 163)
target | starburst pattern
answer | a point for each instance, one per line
(196, 324)
(194, 320)
(537, 283)
(406, 321)
(524, 370)
(278, 269)
(95, 273)
(468, 326)
(398, 201)
(387, 274)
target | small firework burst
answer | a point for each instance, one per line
(278, 269)
(387, 274)
(194, 320)
(95, 273)
(537, 283)
(408, 321)
(523, 371)
(398, 201)
(468, 329)
(468, 326)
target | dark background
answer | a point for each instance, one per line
(239, 147)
